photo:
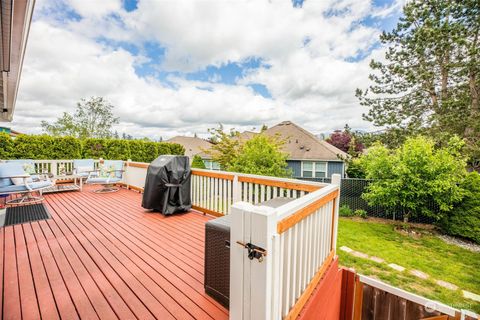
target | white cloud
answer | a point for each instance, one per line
(311, 81)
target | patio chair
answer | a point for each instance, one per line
(15, 180)
(83, 167)
(108, 175)
(29, 167)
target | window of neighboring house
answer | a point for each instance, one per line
(307, 170)
(320, 169)
(211, 165)
(311, 169)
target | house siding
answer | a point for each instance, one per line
(296, 167)
(335, 167)
(332, 168)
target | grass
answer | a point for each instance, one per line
(427, 253)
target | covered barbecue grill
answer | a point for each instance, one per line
(167, 186)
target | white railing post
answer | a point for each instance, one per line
(236, 189)
(336, 180)
(126, 165)
(54, 167)
(251, 281)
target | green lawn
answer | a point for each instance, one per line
(428, 254)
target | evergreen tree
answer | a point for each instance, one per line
(430, 79)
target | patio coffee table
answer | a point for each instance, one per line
(75, 185)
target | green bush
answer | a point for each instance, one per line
(345, 211)
(415, 175)
(177, 149)
(137, 150)
(361, 213)
(32, 147)
(43, 147)
(94, 148)
(66, 148)
(117, 149)
(464, 219)
(197, 162)
(6, 146)
(163, 148)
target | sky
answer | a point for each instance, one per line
(180, 67)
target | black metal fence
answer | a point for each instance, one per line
(351, 191)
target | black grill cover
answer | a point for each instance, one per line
(167, 186)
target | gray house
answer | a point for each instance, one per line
(309, 156)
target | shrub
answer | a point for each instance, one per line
(464, 219)
(197, 162)
(117, 149)
(345, 211)
(151, 151)
(94, 148)
(414, 175)
(43, 147)
(177, 149)
(137, 150)
(261, 155)
(6, 146)
(163, 148)
(361, 213)
(66, 148)
(355, 169)
(32, 147)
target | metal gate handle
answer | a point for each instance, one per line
(254, 252)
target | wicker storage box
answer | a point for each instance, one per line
(217, 259)
(217, 254)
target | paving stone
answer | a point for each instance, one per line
(447, 285)
(377, 259)
(396, 267)
(346, 249)
(419, 274)
(471, 295)
(359, 254)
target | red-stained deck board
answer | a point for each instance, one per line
(11, 292)
(165, 259)
(25, 279)
(157, 274)
(102, 256)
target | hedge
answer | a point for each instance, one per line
(464, 219)
(43, 147)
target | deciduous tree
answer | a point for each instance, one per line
(429, 81)
(93, 118)
(415, 174)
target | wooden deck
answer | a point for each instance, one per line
(101, 256)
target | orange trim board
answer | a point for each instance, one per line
(207, 211)
(137, 165)
(213, 175)
(301, 214)
(297, 308)
(280, 184)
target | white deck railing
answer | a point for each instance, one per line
(214, 192)
(299, 237)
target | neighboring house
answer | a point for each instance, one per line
(246, 135)
(196, 146)
(309, 156)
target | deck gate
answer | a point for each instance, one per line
(299, 239)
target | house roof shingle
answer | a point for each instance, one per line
(193, 146)
(303, 145)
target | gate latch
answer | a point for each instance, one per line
(254, 252)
